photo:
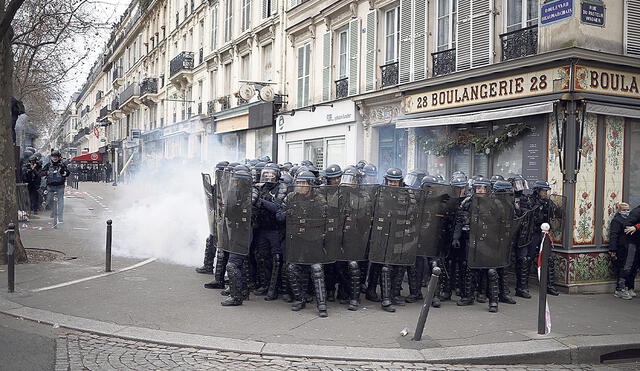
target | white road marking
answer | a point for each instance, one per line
(96, 276)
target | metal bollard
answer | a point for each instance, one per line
(424, 311)
(107, 267)
(11, 261)
(542, 292)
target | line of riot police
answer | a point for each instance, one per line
(301, 234)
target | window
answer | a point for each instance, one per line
(447, 20)
(267, 64)
(304, 63)
(521, 13)
(244, 65)
(228, 20)
(343, 51)
(214, 28)
(246, 14)
(391, 35)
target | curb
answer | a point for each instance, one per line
(571, 349)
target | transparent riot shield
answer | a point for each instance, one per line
(491, 231)
(357, 215)
(306, 209)
(394, 233)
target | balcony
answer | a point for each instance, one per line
(520, 43)
(181, 69)
(389, 74)
(211, 107)
(342, 88)
(444, 62)
(128, 97)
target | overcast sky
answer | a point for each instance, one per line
(109, 11)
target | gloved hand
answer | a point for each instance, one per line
(455, 244)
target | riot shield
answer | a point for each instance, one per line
(438, 208)
(356, 214)
(394, 233)
(237, 208)
(491, 231)
(306, 208)
(209, 193)
(557, 208)
(334, 223)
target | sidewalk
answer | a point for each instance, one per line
(166, 303)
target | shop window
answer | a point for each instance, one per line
(634, 165)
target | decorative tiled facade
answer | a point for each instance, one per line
(613, 170)
(584, 212)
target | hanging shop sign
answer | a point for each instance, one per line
(592, 12)
(511, 87)
(605, 81)
(553, 11)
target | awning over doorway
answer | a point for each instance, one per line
(478, 116)
(95, 157)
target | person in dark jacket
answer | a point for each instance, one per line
(622, 254)
(55, 173)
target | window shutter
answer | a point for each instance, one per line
(354, 54)
(481, 30)
(326, 66)
(463, 36)
(420, 42)
(265, 5)
(404, 64)
(300, 76)
(632, 29)
(370, 73)
(274, 7)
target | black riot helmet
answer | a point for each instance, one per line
(333, 171)
(269, 174)
(495, 178)
(459, 179)
(414, 178)
(350, 176)
(393, 174)
(519, 183)
(429, 179)
(502, 186)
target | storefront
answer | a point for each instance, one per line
(570, 122)
(323, 135)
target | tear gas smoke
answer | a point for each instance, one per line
(161, 213)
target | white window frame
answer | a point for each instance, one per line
(395, 36)
(246, 15)
(524, 21)
(339, 71)
(228, 20)
(451, 43)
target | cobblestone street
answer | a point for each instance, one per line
(80, 351)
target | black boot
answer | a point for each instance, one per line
(354, 274)
(415, 292)
(494, 291)
(320, 289)
(504, 295)
(522, 277)
(551, 288)
(296, 282)
(221, 266)
(209, 253)
(272, 292)
(235, 286)
(467, 293)
(374, 279)
(396, 285)
(385, 285)
(481, 279)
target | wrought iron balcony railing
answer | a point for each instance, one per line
(389, 74)
(149, 85)
(444, 62)
(183, 61)
(520, 43)
(130, 91)
(342, 88)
